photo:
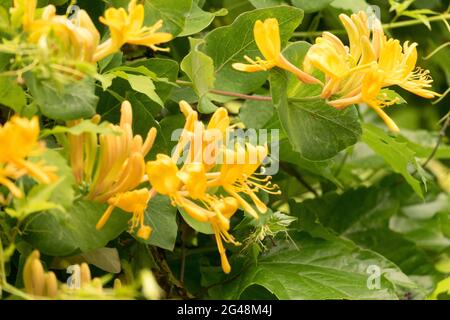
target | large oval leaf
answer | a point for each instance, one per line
(315, 130)
(229, 44)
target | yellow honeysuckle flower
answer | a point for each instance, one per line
(118, 167)
(206, 140)
(128, 28)
(162, 173)
(134, 202)
(193, 186)
(267, 38)
(75, 39)
(237, 175)
(358, 74)
(167, 179)
(121, 165)
(24, 10)
(371, 87)
(344, 68)
(18, 141)
(191, 183)
(398, 64)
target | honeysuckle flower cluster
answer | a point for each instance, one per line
(112, 166)
(19, 144)
(70, 40)
(353, 74)
(194, 187)
(208, 167)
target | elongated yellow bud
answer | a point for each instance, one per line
(85, 274)
(27, 271)
(51, 285)
(38, 277)
(117, 284)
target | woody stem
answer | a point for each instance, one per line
(230, 94)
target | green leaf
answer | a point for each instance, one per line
(266, 3)
(202, 227)
(142, 84)
(197, 19)
(11, 94)
(59, 235)
(350, 5)
(423, 142)
(311, 6)
(37, 199)
(63, 102)
(64, 195)
(162, 218)
(163, 69)
(200, 69)
(256, 114)
(428, 234)
(316, 130)
(110, 101)
(106, 259)
(314, 268)
(363, 215)
(443, 287)
(85, 126)
(227, 45)
(172, 12)
(395, 153)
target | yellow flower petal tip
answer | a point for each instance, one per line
(226, 267)
(128, 27)
(15, 162)
(144, 232)
(268, 41)
(357, 74)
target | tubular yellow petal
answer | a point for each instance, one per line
(185, 108)
(245, 205)
(223, 256)
(267, 38)
(219, 120)
(353, 35)
(104, 218)
(251, 67)
(126, 114)
(117, 284)
(51, 285)
(152, 39)
(28, 273)
(136, 15)
(38, 277)
(368, 54)
(11, 187)
(85, 22)
(387, 120)
(194, 210)
(148, 144)
(283, 63)
(85, 274)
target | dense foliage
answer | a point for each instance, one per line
(224, 149)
